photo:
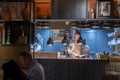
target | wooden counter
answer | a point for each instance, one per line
(11, 51)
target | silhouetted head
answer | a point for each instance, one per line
(25, 59)
(84, 42)
(12, 71)
(78, 37)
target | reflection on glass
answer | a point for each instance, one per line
(37, 46)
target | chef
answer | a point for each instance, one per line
(78, 47)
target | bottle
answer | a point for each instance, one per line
(8, 36)
(22, 39)
(92, 14)
(0, 13)
(115, 11)
(26, 12)
(3, 36)
(58, 55)
(7, 14)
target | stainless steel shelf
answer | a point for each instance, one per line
(15, 20)
(55, 20)
(110, 19)
(14, 45)
(82, 19)
(17, 0)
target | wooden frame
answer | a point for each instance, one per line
(104, 8)
(43, 9)
(58, 34)
(13, 8)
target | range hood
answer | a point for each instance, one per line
(69, 9)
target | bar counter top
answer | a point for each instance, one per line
(11, 51)
(73, 69)
(54, 55)
(85, 59)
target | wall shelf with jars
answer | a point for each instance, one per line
(77, 9)
(16, 27)
(16, 11)
(103, 9)
(16, 22)
(55, 9)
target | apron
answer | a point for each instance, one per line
(74, 49)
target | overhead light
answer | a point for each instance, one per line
(114, 42)
(64, 41)
(106, 27)
(95, 27)
(67, 22)
(50, 42)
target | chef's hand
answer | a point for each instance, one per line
(77, 57)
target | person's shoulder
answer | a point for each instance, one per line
(71, 40)
(87, 47)
(37, 65)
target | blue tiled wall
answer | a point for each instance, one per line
(96, 39)
(57, 46)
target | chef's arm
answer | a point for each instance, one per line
(87, 54)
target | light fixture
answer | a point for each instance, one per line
(106, 25)
(64, 41)
(50, 41)
(67, 22)
(96, 25)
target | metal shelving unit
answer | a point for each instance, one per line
(21, 21)
(16, 0)
(82, 19)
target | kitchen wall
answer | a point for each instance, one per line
(45, 34)
(95, 38)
